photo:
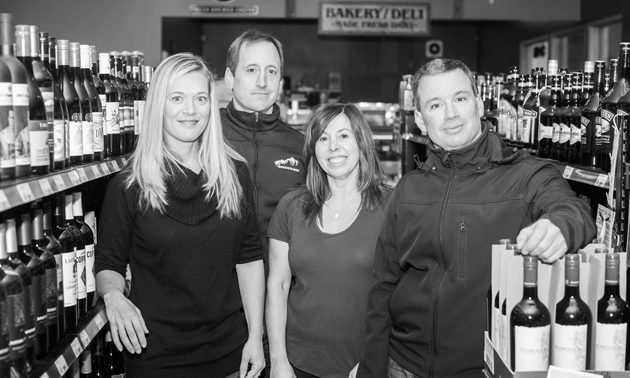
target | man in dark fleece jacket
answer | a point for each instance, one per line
(426, 312)
(251, 123)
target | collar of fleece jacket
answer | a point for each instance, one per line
(246, 120)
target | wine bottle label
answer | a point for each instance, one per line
(569, 346)
(22, 145)
(60, 286)
(576, 132)
(38, 300)
(584, 121)
(141, 107)
(606, 133)
(76, 138)
(504, 336)
(90, 220)
(6, 94)
(67, 138)
(545, 132)
(97, 123)
(90, 283)
(81, 275)
(38, 135)
(16, 318)
(129, 118)
(20, 95)
(51, 295)
(555, 132)
(7, 127)
(565, 133)
(88, 135)
(104, 116)
(610, 346)
(112, 118)
(69, 279)
(531, 348)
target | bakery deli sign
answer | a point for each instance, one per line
(386, 19)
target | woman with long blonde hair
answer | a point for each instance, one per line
(181, 216)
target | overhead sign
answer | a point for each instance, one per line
(224, 10)
(387, 19)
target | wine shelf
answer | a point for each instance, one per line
(22, 191)
(72, 345)
(582, 174)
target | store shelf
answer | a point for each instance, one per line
(420, 139)
(72, 345)
(22, 191)
(582, 174)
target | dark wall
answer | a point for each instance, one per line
(371, 67)
(591, 10)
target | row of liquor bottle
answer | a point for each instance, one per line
(61, 105)
(100, 359)
(576, 335)
(570, 117)
(47, 278)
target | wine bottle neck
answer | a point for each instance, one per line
(611, 290)
(530, 291)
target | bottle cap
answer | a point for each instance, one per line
(103, 63)
(22, 40)
(24, 229)
(589, 66)
(612, 260)
(85, 56)
(75, 57)
(504, 241)
(147, 73)
(552, 67)
(93, 55)
(77, 204)
(572, 259)
(63, 53)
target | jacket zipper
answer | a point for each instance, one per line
(439, 286)
(255, 173)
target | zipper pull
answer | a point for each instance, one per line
(462, 226)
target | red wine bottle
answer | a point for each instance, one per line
(88, 239)
(68, 265)
(37, 117)
(39, 243)
(115, 364)
(612, 322)
(95, 101)
(572, 329)
(79, 257)
(15, 290)
(529, 321)
(7, 155)
(75, 115)
(5, 357)
(99, 367)
(19, 77)
(112, 107)
(100, 90)
(27, 293)
(87, 125)
(86, 364)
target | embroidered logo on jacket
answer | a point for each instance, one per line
(289, 163)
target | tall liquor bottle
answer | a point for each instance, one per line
(560, 146)
(612, 322)
(113, 358)
(127, 131)
(73, 102)
(15, 291)
(590, 117)
(573, 118)
(529, 322)
(19, 146)
(100, 92)
(39, 243)
(138, 97)
(39, 155)
(517, 103)
(112, 107)
(38, 286)
(122, 101)
(547, 119)
(95, 103)
(99, 365)
(7, 155)
(71, 225)
(68, 265)
(87, 125)
(27, 293)
(530, 115)
(88, 238)
(586, 138)
(571, 339)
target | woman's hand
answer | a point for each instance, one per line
(253, 356)
(282, 369)
(125, 322)
(353, 372)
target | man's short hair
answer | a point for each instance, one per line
(438, 66)
(251, 37)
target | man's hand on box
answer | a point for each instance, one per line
(543, 239)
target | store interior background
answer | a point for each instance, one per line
(484, 33)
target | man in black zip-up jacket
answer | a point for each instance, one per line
(426, 310)
(252, 125)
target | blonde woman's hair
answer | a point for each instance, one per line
(153, 161)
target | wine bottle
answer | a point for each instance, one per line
(52, 44)
(530, 115)
(14, 289)
(27, 293)
(19, 77)
(563, 121)
(7, 155)
(548, 120)
(137, 90)
(571, 335)
(79, 257)
(590, 117)
(113, 358)
(37, 117)
(99, 367)
(73, 102)
(529, 321)
(95, 102)
(112, 118)
(88, 238)
(68, 265)
(54, 248)
(612, 322)
(127, 104)
(38, 286)
(5, 357)
(52, 57)
(608, 107)
(39, 244)
(86, 364)
(87, 126)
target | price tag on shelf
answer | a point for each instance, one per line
(58, 180)
(567, 172)
(45, 375)
(115, 164)
(76, 347)
(99, 321)
(82, 176)
(124, 160)
(601, 180)
(74, 177)
(105, 168)
(85, 339)
(97, 173)
(4, 201)
(62, 365)
(44, 184)
(25, 192)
